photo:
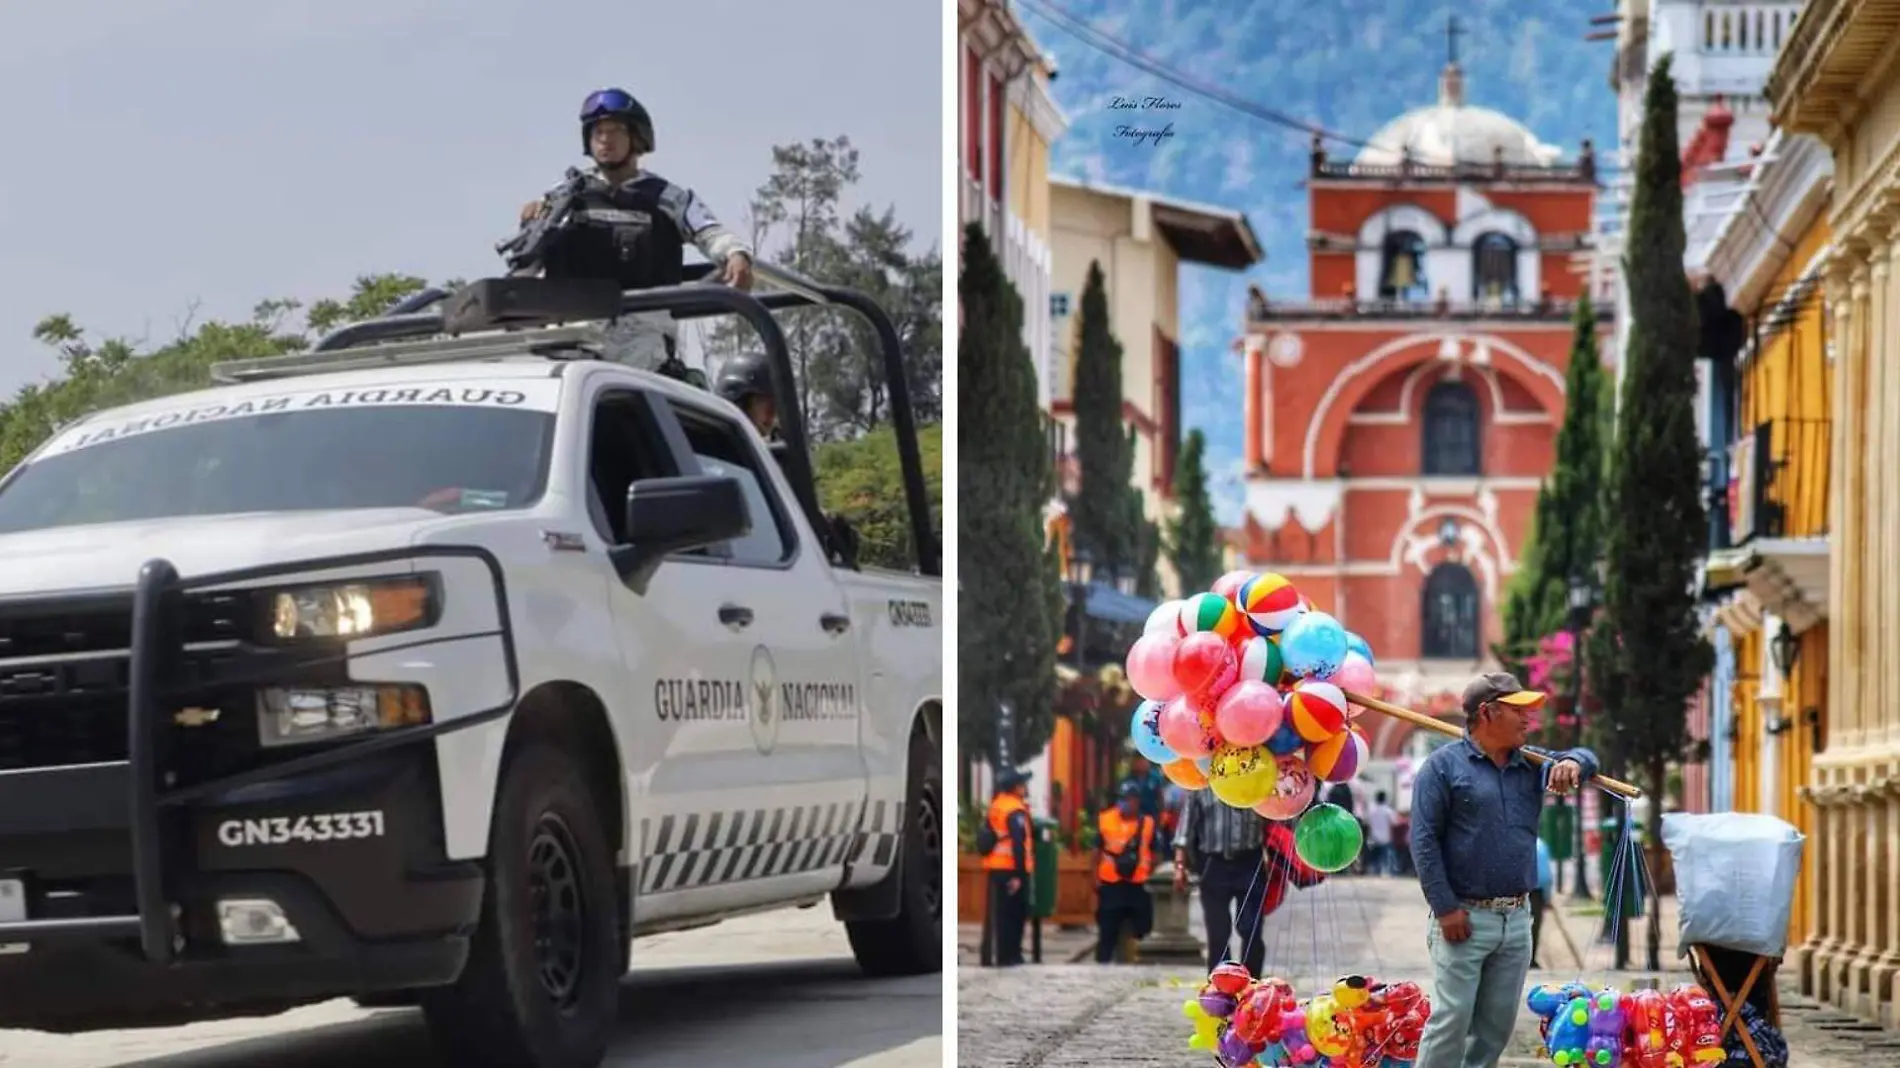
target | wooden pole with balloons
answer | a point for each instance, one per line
(1251, 693)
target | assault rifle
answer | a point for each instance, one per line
(523, 252)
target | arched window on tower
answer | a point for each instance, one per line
(1402, 268)
(1452, 444)
(1448, 620)
(1494, 269)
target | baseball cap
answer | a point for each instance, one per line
(1129, 788)
(1501, 686)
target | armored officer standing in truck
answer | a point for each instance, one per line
(633, 226)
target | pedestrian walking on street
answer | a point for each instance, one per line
(1379, 821)
(1475, 809)
(1226, 842)
(1121, 872)
(1010, 860)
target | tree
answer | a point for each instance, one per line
(113, 372)
(861, 480)
(1194, 537)
(796, 219)
(1649, 656)
(1107, 522)
(1566, 526)
(1010, 596)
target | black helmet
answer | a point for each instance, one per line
(616, 104)
(745, 375)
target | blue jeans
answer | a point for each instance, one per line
(1477, 986)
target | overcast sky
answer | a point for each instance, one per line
(157, 153)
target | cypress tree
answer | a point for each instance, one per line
(1009, 594)
(1107, 523)
(1648, 657)
(1194, 537)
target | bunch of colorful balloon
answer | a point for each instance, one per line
(1606, 1028)
(1244, 689)
(1360, 1023)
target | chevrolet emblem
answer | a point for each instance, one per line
(195, 717)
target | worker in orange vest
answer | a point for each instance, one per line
(1009, 857)
(1121, 874)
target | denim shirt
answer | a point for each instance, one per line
(1474, 824)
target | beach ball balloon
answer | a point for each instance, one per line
(1337, 758)
(1150, 666)
(1184, 774)
(1230, 583)
(1242, 776)
(1248, 713)
(1318, 710)
(1293, 789)
(1356, 644)
(1204, 665)
(1286, 740)
(1260, 659)
(1355, 675)
(1270, 602)
(1165, 620)
(1210, 613)
(1187, 729)
(1314, 645)
(1145, 731)
(1327, 838)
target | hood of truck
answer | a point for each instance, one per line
(110, 554)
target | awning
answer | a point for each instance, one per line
(1111, 605)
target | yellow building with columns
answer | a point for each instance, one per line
(1771, 396)
(1838, 79)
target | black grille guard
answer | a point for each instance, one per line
(154, 659)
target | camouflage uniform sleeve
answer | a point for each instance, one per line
(698, 223)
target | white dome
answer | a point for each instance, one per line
(1451, 132)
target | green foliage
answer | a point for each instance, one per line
(1649, 657)
(861, 480)
(1565, 536)
(1107, 508)
(796, 220)
(1194, 537)
(113, 373)
(1007, 648)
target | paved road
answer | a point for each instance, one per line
(777, 989)
(1072, 1016)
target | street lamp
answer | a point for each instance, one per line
(1785, 648)
(1081, 571)
(1581, 597)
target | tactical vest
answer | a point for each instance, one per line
(623, 232)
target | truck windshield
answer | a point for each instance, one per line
(447, 458)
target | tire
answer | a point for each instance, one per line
(911, 943)
(507, 1010)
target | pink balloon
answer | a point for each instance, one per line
(1356, 674)
(1248, 713)
(1205, 665)
(1230, 583)
(1151, 667)
(1186, 729)
(1292, 790)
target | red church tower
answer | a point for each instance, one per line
(1399, 422)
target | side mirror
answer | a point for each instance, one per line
(670, 515)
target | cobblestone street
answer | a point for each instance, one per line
(1061, 1015)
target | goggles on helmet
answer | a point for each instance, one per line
(605, 102)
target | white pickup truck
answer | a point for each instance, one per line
(439, 669)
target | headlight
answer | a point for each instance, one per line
(313, 714)
(353, 609)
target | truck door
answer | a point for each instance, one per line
(786, 632)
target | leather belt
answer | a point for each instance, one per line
(1499, 904)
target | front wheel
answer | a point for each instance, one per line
(542, 982)
(911, 943)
